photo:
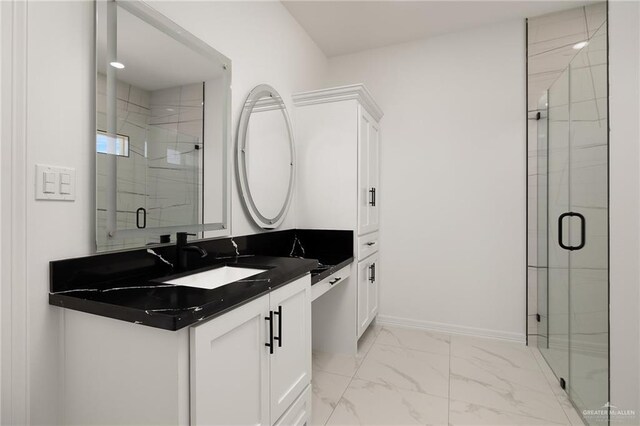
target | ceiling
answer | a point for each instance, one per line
(342, 27)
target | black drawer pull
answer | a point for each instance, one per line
(279, 314)
(372, 197)
(335, 280)
(372, 272)
(371, 243)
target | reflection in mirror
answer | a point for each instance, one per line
(162, 129)
(266, 157)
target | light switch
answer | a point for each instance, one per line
(55, 183)
(65, 183)
(49, 182)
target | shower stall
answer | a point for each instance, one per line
(573, 229)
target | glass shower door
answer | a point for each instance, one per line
(589, 266)
(556, 349)
(577, 304)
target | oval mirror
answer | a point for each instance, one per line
(265, 157)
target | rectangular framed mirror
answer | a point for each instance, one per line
(163, 130)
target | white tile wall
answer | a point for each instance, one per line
(161, 172)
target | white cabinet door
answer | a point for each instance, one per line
(363, 295)
(364, 190)
(374, 175)
(291, 361)
(367, 292)
(374, 287)
(230, 368)
(368, 173)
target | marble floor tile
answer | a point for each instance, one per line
(493, 392)
(499, 376)
(368, 403)
(570, 411)
(405, 376)
(415, 339)
(406, 369)
(368, 337)
(561, 396)
(344, 365)
(493, 352)
(547, 372)
(327, 390)
(466, 413)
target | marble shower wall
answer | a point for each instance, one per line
(175, 156)
(162, 172)
(133, 113)
(550, 41)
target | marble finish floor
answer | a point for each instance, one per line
(413, 377)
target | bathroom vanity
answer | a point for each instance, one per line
(164, 351)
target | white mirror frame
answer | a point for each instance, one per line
(260, 92)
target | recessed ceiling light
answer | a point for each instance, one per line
(120, 65)
(580, 45)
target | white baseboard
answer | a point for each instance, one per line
(451, 328)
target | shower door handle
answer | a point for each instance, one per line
(583, 228)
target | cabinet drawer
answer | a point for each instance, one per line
(367, 245)
(299, 414)
(328, 283)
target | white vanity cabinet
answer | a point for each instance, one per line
(367, 291)
(236, 379)
(338, 152)
(230, 368)
(368, 172)
(290, 364)
(218, 372)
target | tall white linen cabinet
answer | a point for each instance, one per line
(338, 179)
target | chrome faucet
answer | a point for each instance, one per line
(182, 250)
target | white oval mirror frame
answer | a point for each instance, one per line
(263, 97)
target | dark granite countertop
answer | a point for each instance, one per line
(323, 270)
(147, 301)
(129, 285)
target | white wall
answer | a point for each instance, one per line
(452, 179)
(59, 132)
(265, 45)
(624, 210)
(3, 77)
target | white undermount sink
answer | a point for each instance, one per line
(215, 278)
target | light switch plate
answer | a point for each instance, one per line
(55, 183)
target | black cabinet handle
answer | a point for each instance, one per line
(270, 344)
(583, 229)
(372, 197)
(333, 281)
(372, 272)
(144, 217)
(279, 314)
(371, 243)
